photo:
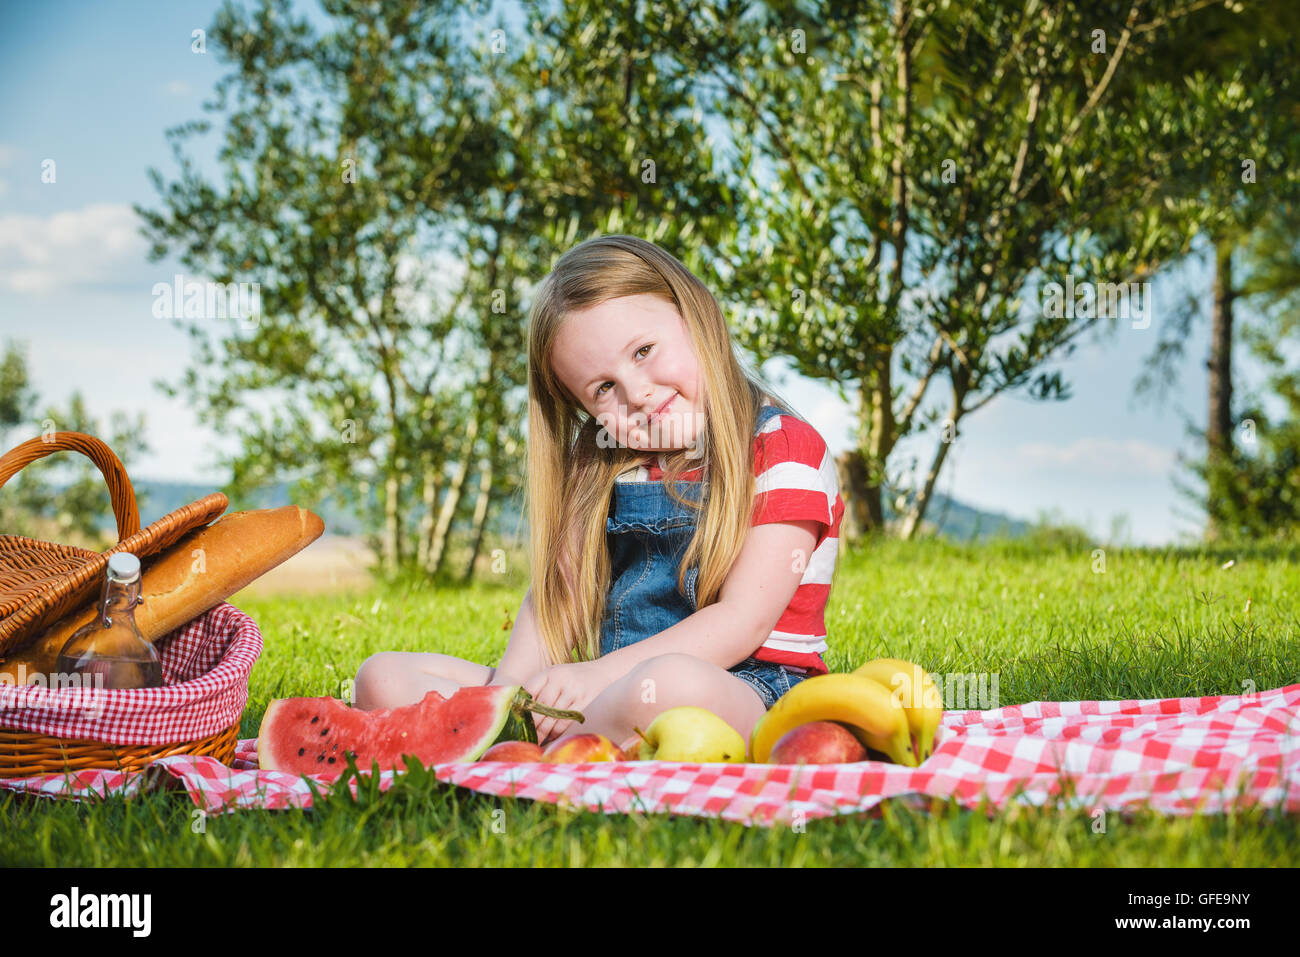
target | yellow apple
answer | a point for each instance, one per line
(691, 734)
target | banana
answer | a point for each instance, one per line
(923, 708)
(865, 705)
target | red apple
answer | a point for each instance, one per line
(818, 742)
(631, 748)
(513, 751)
(581, 749)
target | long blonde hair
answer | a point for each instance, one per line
(571, 478)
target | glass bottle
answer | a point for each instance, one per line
(109, 651)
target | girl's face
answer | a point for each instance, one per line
(631, 364)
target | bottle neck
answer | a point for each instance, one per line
(120, 598)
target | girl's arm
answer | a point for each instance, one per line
(524, 656)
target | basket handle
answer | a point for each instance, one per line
(120, 490)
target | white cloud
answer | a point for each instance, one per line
(1098, 456)
(179, 88)
(835, 421)
(39, 254)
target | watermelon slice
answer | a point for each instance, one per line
(315, 735)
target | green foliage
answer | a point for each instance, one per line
(910, 176)
(60, 497)
(395, 185)
(1255, 492)
(1049, 531)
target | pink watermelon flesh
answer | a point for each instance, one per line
(315, 735)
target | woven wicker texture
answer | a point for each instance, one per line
(23, 754)
(40, 582)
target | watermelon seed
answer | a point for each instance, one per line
(325, 732)
(301, 752)
(315, 719)
(331, 760)
(320, 758)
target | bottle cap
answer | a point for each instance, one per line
(123, 567)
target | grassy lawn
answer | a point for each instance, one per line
(1052, 622)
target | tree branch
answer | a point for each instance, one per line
(777, 139)
(1094, 97)
(904, 420)
(1174, 15)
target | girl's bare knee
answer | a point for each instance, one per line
(669, 681)
(372, 677)
(677, 675)
(674, 680)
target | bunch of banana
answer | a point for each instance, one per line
(862, 704)
(911, 686)
(890, 705)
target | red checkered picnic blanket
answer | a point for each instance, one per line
(1173, 755)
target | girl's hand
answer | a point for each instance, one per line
(570, 687)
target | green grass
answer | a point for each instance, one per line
(1154, 623)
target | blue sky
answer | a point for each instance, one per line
(94, 86)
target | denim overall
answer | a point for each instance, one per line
(647, 533)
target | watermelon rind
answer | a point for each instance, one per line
(519, 726)
(502, 702)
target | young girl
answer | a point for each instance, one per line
(683, 523)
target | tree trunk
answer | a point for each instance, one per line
(430, 498)
(392, 543)
(861, 470)
(878, 392)
(1218, 432)
(487, 472)
(917, 514)
(861, 500)
(961, 383)
(479, 524)
(880, 440)
(438, 547)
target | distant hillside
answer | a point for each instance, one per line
(962, 523)
(957, 522)
(158, 498)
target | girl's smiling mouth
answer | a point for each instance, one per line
(662, 409)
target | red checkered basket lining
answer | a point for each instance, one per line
(206, 664)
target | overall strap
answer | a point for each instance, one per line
(766, 414)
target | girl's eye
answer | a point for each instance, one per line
(601, 391)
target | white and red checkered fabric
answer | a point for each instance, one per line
(1174, 755)
(205, 663)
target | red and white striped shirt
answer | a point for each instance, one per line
(794, 480)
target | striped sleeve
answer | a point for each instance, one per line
(794, 474)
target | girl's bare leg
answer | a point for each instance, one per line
(668, 681)
(391, 679)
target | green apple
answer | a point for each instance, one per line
(691, 734)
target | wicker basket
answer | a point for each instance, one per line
(23, 754)
(206, 665)
(41, 582)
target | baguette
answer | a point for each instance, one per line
(197, 573)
